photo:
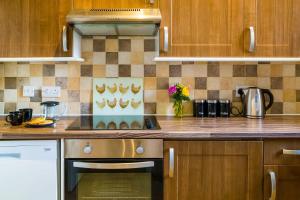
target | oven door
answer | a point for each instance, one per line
(104, 179)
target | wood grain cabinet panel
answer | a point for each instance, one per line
(287, 182)
(216, 170)
(32, 28)
(88, 4)
(203, 27)
(277, 27)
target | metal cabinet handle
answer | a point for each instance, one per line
(273, 185)
(252, 39)
(64, 39)
(290, 152)
(135, 165)
(171, 162)
(166, 39)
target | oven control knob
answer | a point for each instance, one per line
(87, 149)
(139, 150)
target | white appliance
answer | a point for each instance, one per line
(28, 170)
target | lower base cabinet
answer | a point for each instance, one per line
(213, 170)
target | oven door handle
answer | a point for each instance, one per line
(135, 165)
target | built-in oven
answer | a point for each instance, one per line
(115, 169)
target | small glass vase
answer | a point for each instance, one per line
(178, 108)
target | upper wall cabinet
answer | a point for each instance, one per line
(88, 4)
(276, 24)
(230, 28)
(32, 28)
(202, 27)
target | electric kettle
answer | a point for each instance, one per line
(254, 101)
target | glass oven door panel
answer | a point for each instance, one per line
(92, 179)
(114, 186)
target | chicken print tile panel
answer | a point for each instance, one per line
(118, 96)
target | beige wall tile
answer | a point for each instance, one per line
(264, 70)
(226, 83)
(112, 71)
(289, 83)
(124, 58)
(276, 70)
(137, 45)
(61, 70)
(226, 94)
(22, 104)
(174, 80)
(297, 85)
(226, 70)
(162, 96)
(162, 69)
(200, 94)
(99, 58)
(150, 83)
(36, 107)
(278, 95)
(87, 45)
(288, 70)
(264, 82)
(150, 96)
(149, 58)
(10, 70)
(137, 70)
(137, 58)
(74, 70)
(23, 70)
(10, 95)
(164, 108)
(189, 82)
(1, 83)
(1, 69)
(188, 108)
(88, 57)
(85, 83)
(48, 81)
(188, 70)
(200, 70)
(86, 96)
(289, 95)
(99, 70)
(73, 83)
(73, 108)
(36, 69)
(36, 82)
(111, 45)
(298, 108)
(289, 108)
(213, 83)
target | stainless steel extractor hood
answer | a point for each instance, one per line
(122, 22)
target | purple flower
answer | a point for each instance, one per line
(172, 90)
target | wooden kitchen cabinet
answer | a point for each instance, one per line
(32, 28)
(202, 28)
(277, 27)
(88, 4)
(213, 170)
(285, 167)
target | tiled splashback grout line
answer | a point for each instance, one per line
(133, 57)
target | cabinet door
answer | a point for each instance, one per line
(287, 181)
(88, 4)
(32, 28)
(277, 27)
(213, 170)
(203, 27)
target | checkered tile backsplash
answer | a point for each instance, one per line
(133, 57)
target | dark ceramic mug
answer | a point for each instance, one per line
(15, 118)
(27, 114)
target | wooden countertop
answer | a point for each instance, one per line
(172, 128)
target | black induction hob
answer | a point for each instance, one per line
(114, 123)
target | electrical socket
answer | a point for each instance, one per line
(50, 91)
(28, 91)
(240, 87)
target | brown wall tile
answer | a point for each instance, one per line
(298, 70)
(298, 95)
(124, 45)
(86, 70)
(86, 108)
(48, 70)
(10, 83)
(73, 96)
(277, 108)
(150, 70)
(9, 107)
(150, 108)
(112, 58)
(62, 82)
(213, 69)
(1, 95)
(124, 70)
(276, 83)
(175, 71)
(201, 83)
(213, 94)
(162, 83)
(238, 70)
(99, 45)
(149, 45)
(37, 96)
(251, 70)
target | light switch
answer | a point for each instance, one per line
(28, 91)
